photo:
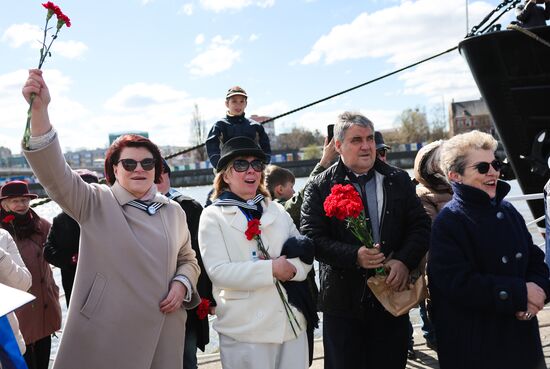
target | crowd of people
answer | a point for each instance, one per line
(143, 265)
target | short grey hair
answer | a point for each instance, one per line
(456, 149)
(348, 119)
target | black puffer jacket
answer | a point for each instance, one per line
(404, 231)
(193, 211)
(235, 126)
(61, 249)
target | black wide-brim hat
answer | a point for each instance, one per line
(16, 189)
(239, 146)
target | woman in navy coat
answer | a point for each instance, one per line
(488, 280)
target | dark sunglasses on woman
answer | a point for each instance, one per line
(483, 166)
(241, 165)
(130, 164)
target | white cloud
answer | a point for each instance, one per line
(402, 34)
(142, 96)
(271, 110)
(186, 9)
(218, 57)
(318, 120)
(441, 77)
(18, 35)
(199, 40)
(234, 5)
(64, 111)
(69, 49)
(253, 37)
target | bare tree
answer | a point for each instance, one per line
(438, 123)
(413, 125)
(198, 126)
(298, 138)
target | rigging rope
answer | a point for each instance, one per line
(528, 33)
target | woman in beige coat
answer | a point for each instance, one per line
(136, 270)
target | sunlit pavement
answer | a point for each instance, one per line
(425, 357)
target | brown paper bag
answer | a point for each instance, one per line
(399, 303)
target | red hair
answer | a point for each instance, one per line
(113, 155)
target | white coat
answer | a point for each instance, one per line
(249, 308)
(15, 274)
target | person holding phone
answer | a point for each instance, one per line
(330, 131)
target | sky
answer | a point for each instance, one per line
(142, 65)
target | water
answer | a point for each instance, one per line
(49, 210)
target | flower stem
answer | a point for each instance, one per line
(27, 133)
(289, 313)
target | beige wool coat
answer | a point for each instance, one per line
(127, 261)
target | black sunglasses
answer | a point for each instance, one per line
(483, 167)
(241, 165)
(130, 164)
(381, 152)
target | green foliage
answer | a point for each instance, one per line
(312, 152)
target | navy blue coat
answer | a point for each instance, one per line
(481, 257)
(235, 126)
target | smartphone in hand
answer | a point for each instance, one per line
(330, 132)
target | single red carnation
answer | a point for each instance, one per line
(49, 5)
(62, 19)
(253, 229)
(8, 218)
(203, 309)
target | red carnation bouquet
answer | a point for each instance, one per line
(253, 232)
(62, 20)
(344, 203)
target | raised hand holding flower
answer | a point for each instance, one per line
(62, 20)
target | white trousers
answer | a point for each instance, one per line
(291, 354)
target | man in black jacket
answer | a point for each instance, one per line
(197, 332)
(357, 331)
(62, 244)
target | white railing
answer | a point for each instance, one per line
(532, 196)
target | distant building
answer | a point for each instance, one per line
(114, 136)
(90, 159)
(465, 116)
(5, 154)
(17, 161)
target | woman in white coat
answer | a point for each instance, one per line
(256, 329)
(15, 274)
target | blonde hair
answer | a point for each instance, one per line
(220, 185)
(454, 151)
